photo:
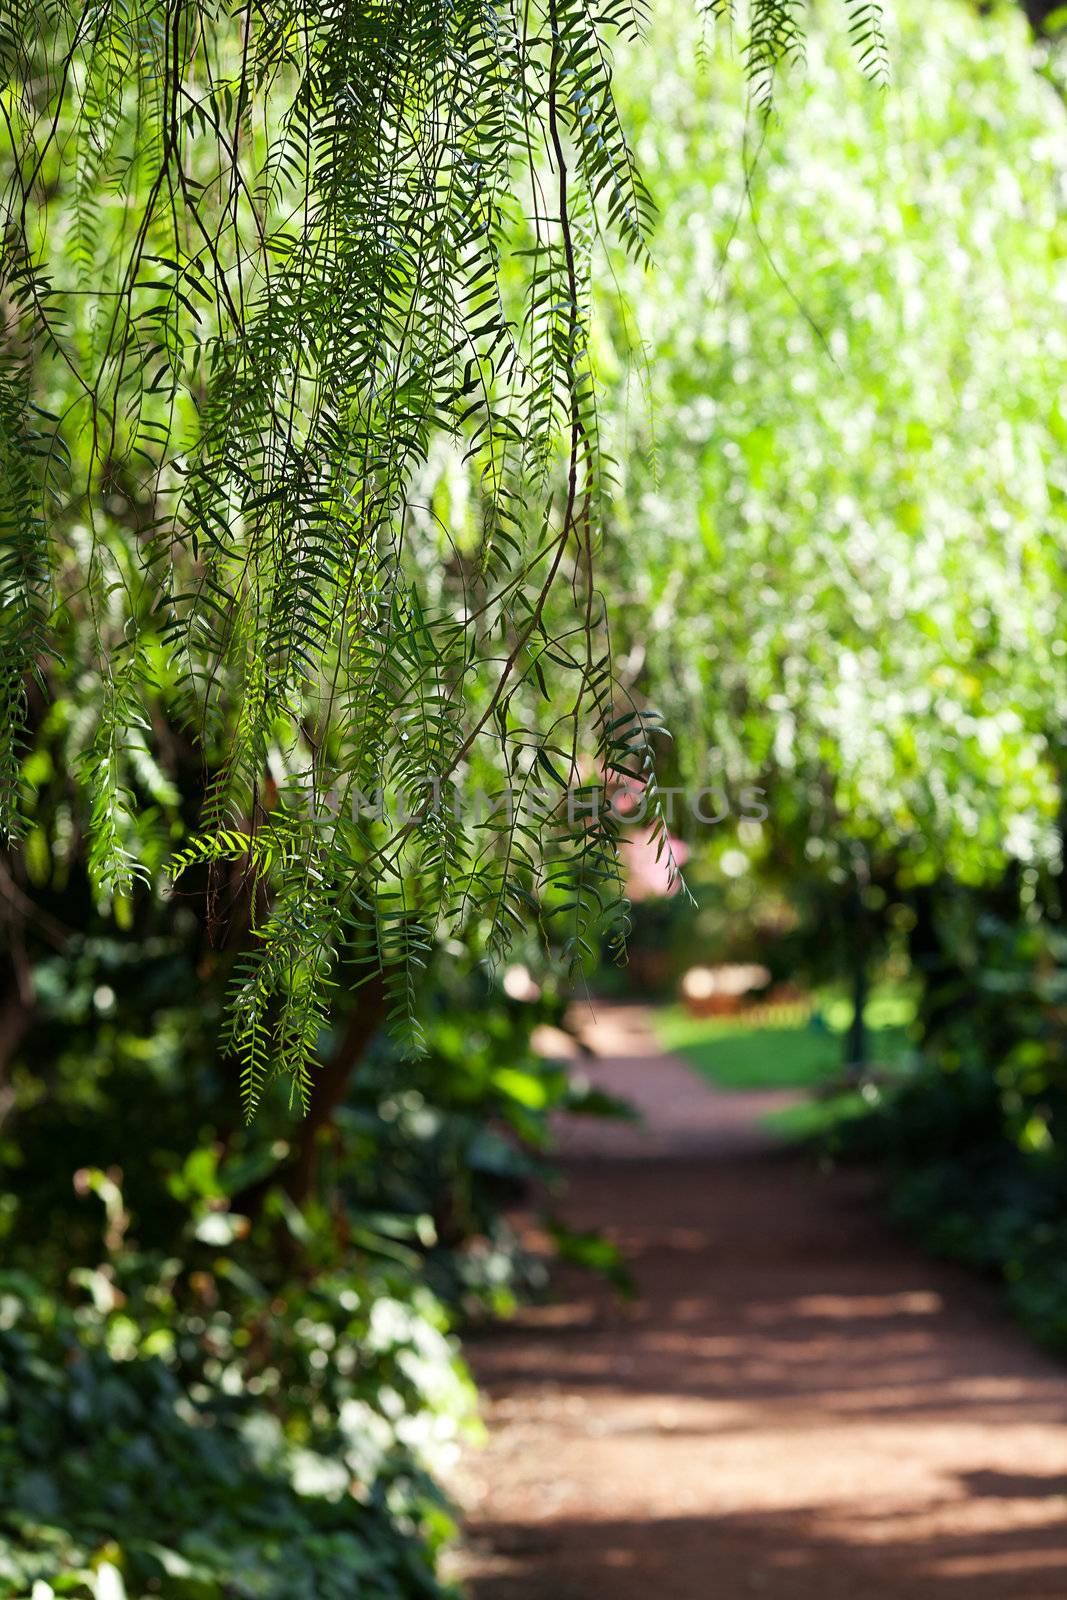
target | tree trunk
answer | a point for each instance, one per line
(330, 1084)
(859, 957)
(328, 1090)
(856, 1062)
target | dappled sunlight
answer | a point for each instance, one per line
(795, 1402)
(795, 1554)
(533, 800)
(909, 1303)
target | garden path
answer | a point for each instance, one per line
(797, 1404)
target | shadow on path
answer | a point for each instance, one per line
(797, 1405)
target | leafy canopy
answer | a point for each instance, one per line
(836, 559)
(260, 263)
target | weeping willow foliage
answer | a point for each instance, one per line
(258, 259)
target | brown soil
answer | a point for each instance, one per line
(797, 1406)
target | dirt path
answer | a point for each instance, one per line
(797, 1406)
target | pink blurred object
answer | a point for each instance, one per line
(647, 878)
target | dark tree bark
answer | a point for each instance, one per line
(1038, 11)
(330, 1085)
(856, 1038)
(859, 959)
(328, 1091)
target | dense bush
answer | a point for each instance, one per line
(214, 1384)
(117, 1480)
(974, 1141)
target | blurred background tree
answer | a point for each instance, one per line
(838, 554)
(838, 569)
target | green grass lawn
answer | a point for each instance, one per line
(806, 1055)
(818, 1119)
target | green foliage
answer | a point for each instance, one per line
(973, 1139)
(204, 1373)
(116, 1482)
(838, 527)
(269, 278)
(320, 481)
